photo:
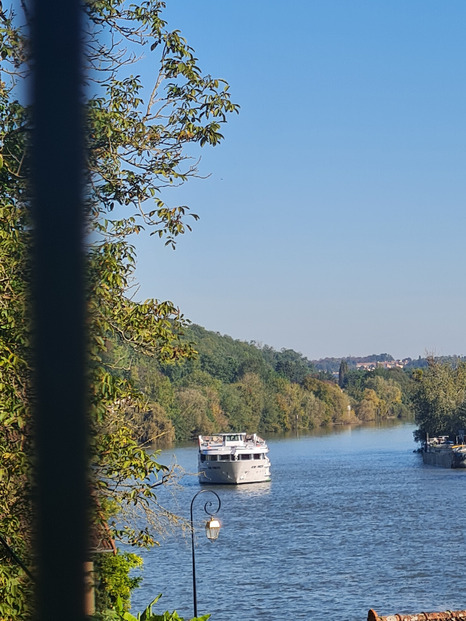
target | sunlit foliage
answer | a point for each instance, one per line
(137, 134)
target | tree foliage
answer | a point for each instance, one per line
(342, 372)
(138, 146)
(15, 375)
(120, 614)
(440, 399)
(381, 393)
(207, 396)
(114, 583)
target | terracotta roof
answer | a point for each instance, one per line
(420, 616)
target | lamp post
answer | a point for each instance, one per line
(212, 529)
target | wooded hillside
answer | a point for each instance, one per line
(234, 385)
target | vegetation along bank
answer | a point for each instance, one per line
(233, 385)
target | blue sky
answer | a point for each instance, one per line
(333, 219)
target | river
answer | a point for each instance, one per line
(351, 520)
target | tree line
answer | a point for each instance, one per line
(439, 398)
(234, 385)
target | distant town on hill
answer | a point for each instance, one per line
(368, 363)
(229, 347)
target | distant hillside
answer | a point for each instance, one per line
(232, 384)
(332, 365)
(234, 356)
(228, 360)
(422, 362)
(236, 385)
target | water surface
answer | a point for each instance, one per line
(351, 520)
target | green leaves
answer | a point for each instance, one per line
(15, 381)
(137, 141)
(439, 398)
(138, 132)
(115, 582)
(149, 615)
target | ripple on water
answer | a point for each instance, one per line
(350, 521)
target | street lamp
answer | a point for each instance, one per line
(212, 529)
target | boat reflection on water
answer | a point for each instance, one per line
(253, 490)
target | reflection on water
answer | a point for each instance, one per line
(243, 491)
(351, 520)
(334, 430)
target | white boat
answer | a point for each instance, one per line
(233, 458)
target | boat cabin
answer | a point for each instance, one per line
(232, 439)
(231, 456)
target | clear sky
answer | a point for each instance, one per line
(333, 222)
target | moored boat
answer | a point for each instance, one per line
(443, 452)
(233, 458)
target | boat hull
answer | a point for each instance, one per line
(234, 473)
(444, 458)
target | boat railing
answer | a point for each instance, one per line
(249, 441)
(214, 440)
(254, 438)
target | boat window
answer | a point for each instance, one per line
(245, 456)
(212, 457)
(224, 457)
(257, 455)
(202, 457)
